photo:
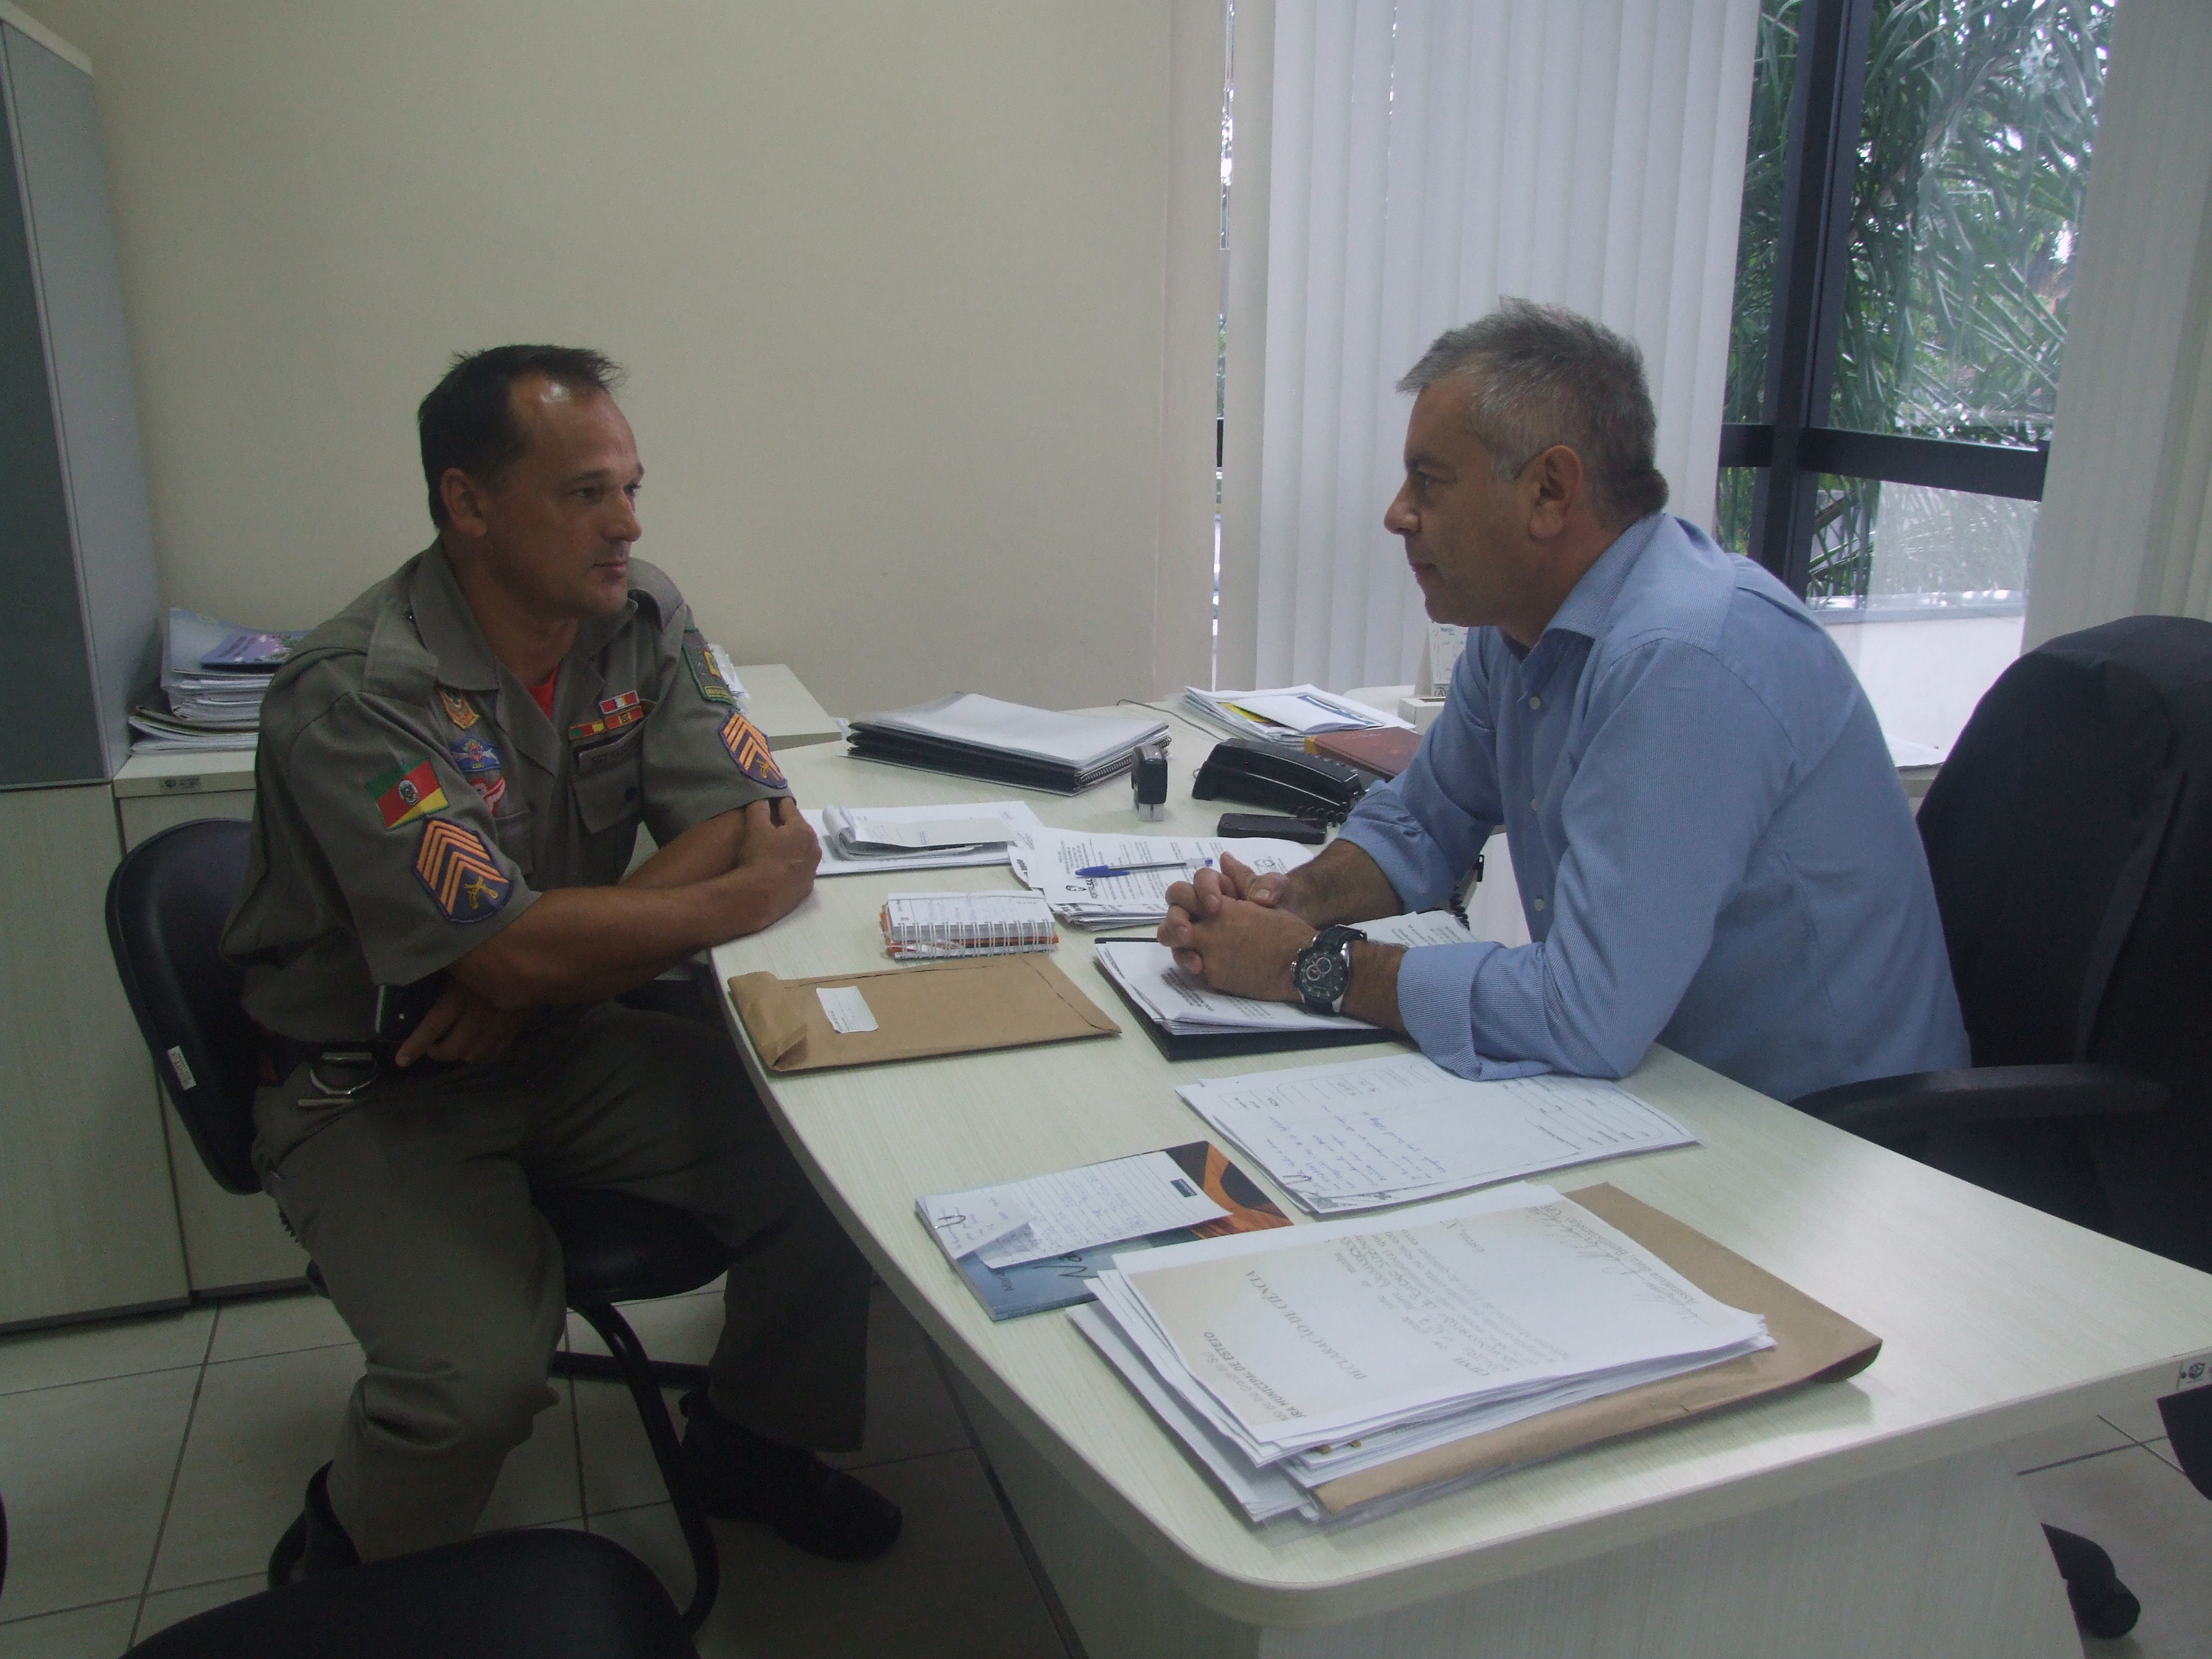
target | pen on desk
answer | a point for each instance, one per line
(1101, 871)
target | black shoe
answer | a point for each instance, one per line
(315, 1542)
(812, 1507)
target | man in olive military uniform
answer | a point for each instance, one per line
(452, 776)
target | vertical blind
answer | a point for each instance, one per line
(1424, 158)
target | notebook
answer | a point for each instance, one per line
(1009, 742)
(924, 926)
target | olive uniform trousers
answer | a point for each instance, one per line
(414, 1197)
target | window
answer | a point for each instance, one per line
(1914, 182)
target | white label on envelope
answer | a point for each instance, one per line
(847, 1008)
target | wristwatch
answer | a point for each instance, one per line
(1322, 971)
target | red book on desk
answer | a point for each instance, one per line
(1386, 752)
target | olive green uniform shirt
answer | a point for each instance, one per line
(413, 800)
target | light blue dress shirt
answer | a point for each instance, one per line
(1713, 849)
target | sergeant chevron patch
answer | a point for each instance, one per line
(750, 750)
(460, 873)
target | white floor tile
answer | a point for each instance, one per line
(954, 1585)
(618, 1470)
(541, 1482)
(85, 1469)
(263, 1426)
(86, 1353)
(2082, 1439)
(99, 1632)
(2158, 1532)
(909, 1413)
(276, 1324)
(172, 1606)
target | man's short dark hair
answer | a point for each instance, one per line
(1541, 375)
(468, 420)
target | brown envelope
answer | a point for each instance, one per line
(940, 1008)
(1812, 1344)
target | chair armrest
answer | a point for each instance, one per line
(1891, 1108)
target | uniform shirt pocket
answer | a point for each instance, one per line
(606, 781)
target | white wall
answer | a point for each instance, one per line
(893, 282)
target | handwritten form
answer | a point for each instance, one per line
(1070, 1210)
(1376, 1132)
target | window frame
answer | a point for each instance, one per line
(1794, 446)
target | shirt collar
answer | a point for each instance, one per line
(448, 628)
(1590, 602)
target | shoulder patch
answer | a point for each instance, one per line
(459, 708)
(749, 750)
(704, 674)
(407, 792)
(482, 767)
(460, 873)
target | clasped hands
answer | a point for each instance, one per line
(1233, 929)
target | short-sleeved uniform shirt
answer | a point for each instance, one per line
(413, 800)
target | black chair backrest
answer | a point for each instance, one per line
(2069, 836)
(167, 904)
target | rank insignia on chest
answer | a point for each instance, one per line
(459, 708)
(750, 750)
(406, 793)
(708, 679)
(460, 873)
(615, 713)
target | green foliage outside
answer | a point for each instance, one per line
(1973, 162)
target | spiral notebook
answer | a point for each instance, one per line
(932, 925)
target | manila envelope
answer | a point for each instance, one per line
(1812, 1344)
(937, 1008)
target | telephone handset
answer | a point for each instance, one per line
(1288, 780)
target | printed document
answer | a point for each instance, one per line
(1047, 859)
(1070, 1210)
(1376, 1132)
(986, 826)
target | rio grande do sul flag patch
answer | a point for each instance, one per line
(406, 793)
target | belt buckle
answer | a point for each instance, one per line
(331, 1094)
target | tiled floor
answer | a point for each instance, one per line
(148, 1466)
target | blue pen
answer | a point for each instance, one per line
(1101, 871)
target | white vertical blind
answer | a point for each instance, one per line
(2126, 523)
(1426, 158)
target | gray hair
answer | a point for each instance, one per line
(1541, 375)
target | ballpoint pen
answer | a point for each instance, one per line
(1100, 871)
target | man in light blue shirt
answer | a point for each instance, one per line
(1712, 848)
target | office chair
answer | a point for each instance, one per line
(166, 903)
(546, 1594)
(2069, 838)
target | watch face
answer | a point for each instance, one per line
(1320, 975)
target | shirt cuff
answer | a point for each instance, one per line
(1387, 841)
(1436, 999)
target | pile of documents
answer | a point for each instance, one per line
(214, 675)
(1115, 881)
(1289, 1358)
(1375, 1132)
(885, 838)
(1288, 713)
(1182, 1006)
(981, 737)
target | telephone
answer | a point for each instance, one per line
(1289, 780)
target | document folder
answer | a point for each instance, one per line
(1812, 1344)
(940, 1008)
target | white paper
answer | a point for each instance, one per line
(1070, 1210)
(1015, 815)
(1305, 711)
(848, 1009)
(1082, 741)
(862, 831)
(1375, 1132)
(1047, 859)
(1296, 710)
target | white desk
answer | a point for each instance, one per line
(1873, 1516)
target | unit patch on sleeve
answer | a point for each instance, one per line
(480, 763)
(407, 792)
(460, 873)
(459, 708)
(615, 713)
(750, 750)
(708, 676)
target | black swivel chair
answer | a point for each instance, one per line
(167, 904)
(2069, 836)
(548, 1594)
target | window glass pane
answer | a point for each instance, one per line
(1926, 592)
(1732, 498)
(1760, 228)
(1972, 164)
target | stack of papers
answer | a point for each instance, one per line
(1285, 1359)
(1182, 1006)
(1376, 1132)
(1288, 713)
(1144, 866)
(1025, 1246)
(856, 839)
(981, 737)
(214, 675)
